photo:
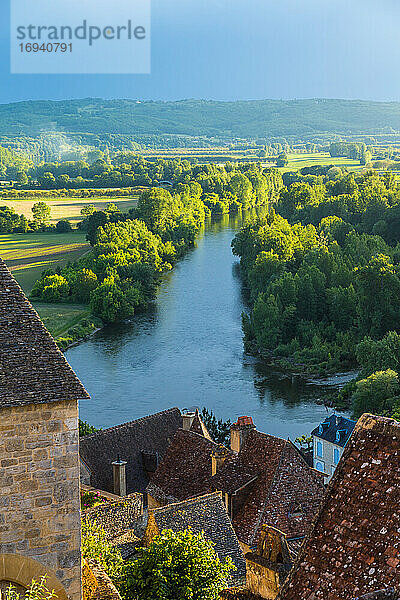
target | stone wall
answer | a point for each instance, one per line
(39, 501)
(262, 577)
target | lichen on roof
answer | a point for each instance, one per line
(353, 546)
(32, 369)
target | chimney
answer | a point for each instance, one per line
(119, 477)
(187, 419)
(218, 457)
(239, 432)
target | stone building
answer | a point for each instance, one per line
(266, 568)
(39, 459)
(329, 441)
(352, 550)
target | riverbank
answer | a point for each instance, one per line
(290, 367)
(187, 351)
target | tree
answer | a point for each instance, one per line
(282, 160)
(88, 210)
(109, 303)
(22, 178)
(51, 288)
(373, 394)
(63, 226)
(41, 213)
(86, 429)
(179, 566)
(85, 282)
(219, 430)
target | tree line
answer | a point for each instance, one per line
(324, 291)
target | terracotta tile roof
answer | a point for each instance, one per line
(32, 369)
(278, 488)
(353, 546)
(205, 513)
(134, 442)
(198, 426)
(185, 470)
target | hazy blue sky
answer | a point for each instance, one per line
(244, 49)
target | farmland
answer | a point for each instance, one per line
(298, 161)
(27, 255)
(68, 208)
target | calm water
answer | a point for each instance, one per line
(188, 352)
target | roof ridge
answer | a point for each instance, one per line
(188, 501)
(130, 423)
(199, 435)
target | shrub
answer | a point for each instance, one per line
(178, 566)
(37, 590)
(63, 226)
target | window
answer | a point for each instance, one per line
(320, 466)
(336, 456)
(319, 450)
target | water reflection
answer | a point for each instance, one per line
(187, 351)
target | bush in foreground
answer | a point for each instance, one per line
(178, 566)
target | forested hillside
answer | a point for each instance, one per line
(258, 118)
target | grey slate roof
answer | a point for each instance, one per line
(205, 513)
(134, 442)
(32, 369)
(331, 426)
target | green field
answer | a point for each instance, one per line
(298, 161)
(27, 255)
(58, 318)
(68, 208)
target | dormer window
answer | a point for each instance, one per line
(339, 433)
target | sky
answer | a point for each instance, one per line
(243, 49)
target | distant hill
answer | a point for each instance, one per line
(259, 118)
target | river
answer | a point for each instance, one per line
(188, 352)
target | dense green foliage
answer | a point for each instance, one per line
(369, 202)
(316, 292)
(176, 566)
(324, 285)
(179, 566)
(95, 546)
(10, 222)
(130, 250)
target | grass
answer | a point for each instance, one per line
(298, 161)
(27, 255)
(58, 318)
(68, 208)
